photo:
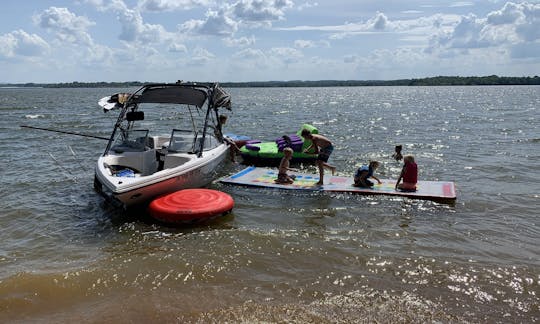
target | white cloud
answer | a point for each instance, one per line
(135, 30)
(107, 5)
(217, 23)
(286, 55)
(171, 5)
(302, 43)
(20, 43)
(509, 14)
(461, 4)
(408, 40)
(201, 56)
(133, 27)
(261, 11)
(307, 5)
(66, 25)
(513, 25)
(250, 54)
(379, 22)
(240, 42)
(177, 48)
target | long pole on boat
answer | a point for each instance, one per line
(65, 132)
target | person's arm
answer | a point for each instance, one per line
(400, 176)
(282, 167)
(374, 177)
(309, 147)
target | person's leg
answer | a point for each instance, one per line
(330, 167)
(321, 172)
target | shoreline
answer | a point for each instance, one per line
(430, 81)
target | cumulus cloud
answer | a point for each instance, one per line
(513, 25)
(261, 11)
(468, 33)
(217, 23)
(509, 14)
(201, 56)
(134, 29)
(66, 25)
(21, 43)
(379, 22)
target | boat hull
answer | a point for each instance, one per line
(129, 192)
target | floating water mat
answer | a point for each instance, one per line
(191, 206)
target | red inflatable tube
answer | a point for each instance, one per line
(191, 205)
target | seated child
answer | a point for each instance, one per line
(409, 174)
(362, 175)
(283, 177)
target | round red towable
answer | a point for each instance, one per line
(190, 206)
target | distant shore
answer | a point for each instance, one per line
(432, 81)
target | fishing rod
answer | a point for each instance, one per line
(65, 132)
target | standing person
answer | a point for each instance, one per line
(324, 147)
(283, 177)
(362, 175)
(409, 174)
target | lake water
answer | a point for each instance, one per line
(300, 257)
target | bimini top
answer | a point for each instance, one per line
(173, 93)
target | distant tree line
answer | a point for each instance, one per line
(432, 81)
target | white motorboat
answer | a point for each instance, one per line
(167, 137)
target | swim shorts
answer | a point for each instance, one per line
(324, 153)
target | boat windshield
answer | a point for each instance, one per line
(182, 141)
(188, 141)
(133, 140)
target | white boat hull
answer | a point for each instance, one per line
(139, 189)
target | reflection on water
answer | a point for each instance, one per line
(283, 256)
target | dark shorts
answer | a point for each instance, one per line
(324, 153)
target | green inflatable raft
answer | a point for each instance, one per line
(270, 153)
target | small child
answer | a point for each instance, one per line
(234, 145)
(365, 172)
(397, 155)
(409, 174)
(283, 177)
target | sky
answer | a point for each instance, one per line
(46, 41)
